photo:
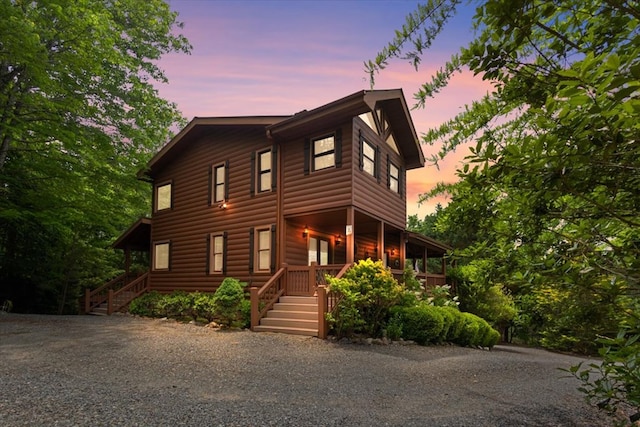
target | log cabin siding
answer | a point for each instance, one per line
(372, 194)
(323, 189)
(191, 219)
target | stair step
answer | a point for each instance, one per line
(284, 306)
(298, 300)
(284, 330)
(290, 314)
(289, 323)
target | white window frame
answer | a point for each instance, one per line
(219, 183)
(264, 174)
(162, 249)
(394, 180)
(368, 161)
(217, 253)
(262, 251)
(163, 200)
(319, 156)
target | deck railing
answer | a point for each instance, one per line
(303, 280)
(113, 292)
(118, 299)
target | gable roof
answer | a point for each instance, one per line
(286, 127)
(197, 128)
(391, 101)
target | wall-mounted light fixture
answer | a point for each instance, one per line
(393, 251)
(338, 240)
(305, 232)
(223, 205)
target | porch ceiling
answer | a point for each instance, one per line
(137, 237)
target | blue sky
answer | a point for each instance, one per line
(280, 57)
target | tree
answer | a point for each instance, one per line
(554, 170)
(79, 116)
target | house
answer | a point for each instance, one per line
(278, 201)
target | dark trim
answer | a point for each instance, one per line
(225, 238)
(274, 167)
(208, 251)
(226, 180)
(307, 155)
(210, 186)
(252, 186)
(376, 167)
(251, 248)
(338, 147)
(273, 248)
(360, 150)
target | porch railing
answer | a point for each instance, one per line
(303, 280)
(118, 299)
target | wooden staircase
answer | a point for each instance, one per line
(292, 315)
(122, 300)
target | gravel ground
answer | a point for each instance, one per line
(128, 371)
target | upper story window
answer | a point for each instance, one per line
(264, 171)
(394, 178)
(163, 196)
(324, 153)
(219, 184)
(368, 159)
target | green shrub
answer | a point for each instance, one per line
(177, 305)
(368, 291)
(204, 306)
(491, 338)
(245, 313)
(147, 305)
(422, 324)
(469, 331)
(457, 322)
(228, 300)
(394, 327)
(449, 318)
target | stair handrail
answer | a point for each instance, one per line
(130, 292)
(327, 302)
(268, 295)
(96, 294)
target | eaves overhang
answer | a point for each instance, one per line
(196, 128)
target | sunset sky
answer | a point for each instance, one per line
(280, 57)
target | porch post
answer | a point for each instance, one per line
(380, 243)
(350, 237)
(312, 278)
(424, 267)
(322, 309)
(403, 249)
(127, 260)
(255, 316)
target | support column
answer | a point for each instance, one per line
(350, 236)
(380, 244)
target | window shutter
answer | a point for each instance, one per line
(208, 252)
(224, 253)
(252, 186)
(388, 172)
(170, 250)
(307, 155)
(338, 147)
(210, 186)
(154, 207)
(360, 148)
(172, 194)
(226, 180)
(273, 248)
(274, 167)
(377, 165)
(251, 243)
(401, 178)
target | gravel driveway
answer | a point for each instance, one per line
(128, 371)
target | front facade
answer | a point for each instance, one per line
(242, 196)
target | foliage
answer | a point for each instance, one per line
(80, 116)
(147, 304)
(422, 323)
(549, 189)
(368, 291)
(614, 384)
(204, 306)
(228, 300)
(441, 296)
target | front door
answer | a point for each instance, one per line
(318, 251)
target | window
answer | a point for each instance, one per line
(264, 250)
(217, 253)
(394, 178)
(219, 183)
(368, 158)
(264, 171)
(161, 255)
(163, 197)
(324, 153)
